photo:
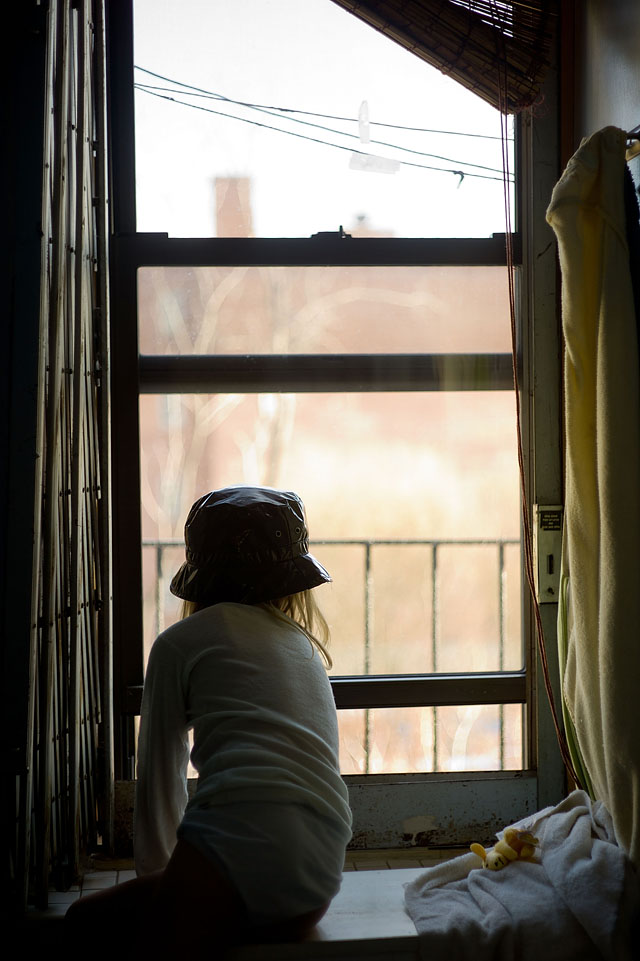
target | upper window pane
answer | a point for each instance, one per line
(311, 115)
(316, 310)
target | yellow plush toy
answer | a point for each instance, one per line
(514, 846)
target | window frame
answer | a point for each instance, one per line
(378, 800)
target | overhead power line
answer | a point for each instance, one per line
(163, 93)
(312, 113)
(148, 88)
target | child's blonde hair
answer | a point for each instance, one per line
(302, 608)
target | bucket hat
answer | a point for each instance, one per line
(248, 545)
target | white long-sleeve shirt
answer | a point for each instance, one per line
(263, 716)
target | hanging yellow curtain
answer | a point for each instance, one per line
(499, 50)
(599, 614)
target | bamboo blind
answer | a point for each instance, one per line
(61, 804)
(499, 49)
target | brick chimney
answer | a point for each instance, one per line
(233, 207)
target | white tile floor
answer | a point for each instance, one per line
(398, 858)
(93, 880)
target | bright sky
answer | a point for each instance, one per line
(306, 55)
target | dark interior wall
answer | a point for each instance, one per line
(607, 75)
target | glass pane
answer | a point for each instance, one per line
(393, 484)
(419, 739)
(291, 310)
(283, 119)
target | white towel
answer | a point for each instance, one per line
(579, 902)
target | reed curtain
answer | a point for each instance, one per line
(62, 793)
(499, 50)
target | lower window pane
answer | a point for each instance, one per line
(483, 737)
(413, 506)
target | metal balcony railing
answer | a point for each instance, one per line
(367, 692)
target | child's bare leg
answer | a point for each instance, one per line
(195, 909)
(191, 907)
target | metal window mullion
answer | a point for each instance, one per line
(368, 616)
(541, 395)
(501, 621)
(159, 589)
(160, 250)
(434, 643)
(429, 690)
(304, 373)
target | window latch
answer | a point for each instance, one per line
(338, 234)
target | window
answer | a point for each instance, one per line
(367, 366)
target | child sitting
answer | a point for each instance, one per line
(258, 852)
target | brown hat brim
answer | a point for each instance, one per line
(203, 584)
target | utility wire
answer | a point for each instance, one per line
(407, 163)
(311, 113)
(270, 111)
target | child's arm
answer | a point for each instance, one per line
(163, 755)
